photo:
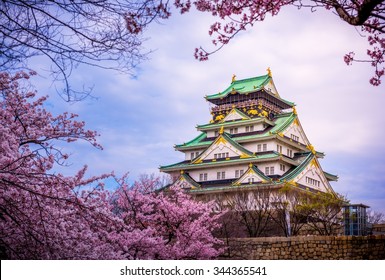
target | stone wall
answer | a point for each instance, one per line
(307, 247)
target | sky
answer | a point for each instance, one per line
(140, 118)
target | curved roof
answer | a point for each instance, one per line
(242, 86)
(280, 123)
(249, 85)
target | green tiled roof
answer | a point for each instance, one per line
(190, 180)
(194, 141)
(246, 86)
(289, 176)
(256, 171)
(330, 176)
(185, 165)
(232, 123)
(243, 115)
(242, 86)
(260, 173)
(231, 187)
(236, 145)
(281, 122)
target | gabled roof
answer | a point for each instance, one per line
(331, 177)
(252, 172)
(193, 142)
(246, 86)
(187, 165)
(281, 122)
(297, 170)
(242, 86)
(235, 114)
(308, 163)
(224, 138)
(211, 126)
(186, 182)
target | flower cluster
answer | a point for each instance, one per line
(46, 215)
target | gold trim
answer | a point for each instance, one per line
(311, 148)
(243, 155)
(221, 130)
(314, 163)
(269, 72)
(296, 122)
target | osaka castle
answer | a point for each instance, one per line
(253, 140)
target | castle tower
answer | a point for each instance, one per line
(254, 140)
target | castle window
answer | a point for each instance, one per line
(312, 181)
(221, 175)
(264, 147)
(249, 128)
(203, 177)
(238, 173)
(233, 130)
(269, 170)
(259, 148)
(279, 149)
(294, 137)
(289, 153)
(192, 155)
(221, 155)
(282, 167)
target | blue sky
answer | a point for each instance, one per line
(140, 118)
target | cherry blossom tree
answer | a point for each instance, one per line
(46, 215)
(68, 34)
(236, 16)
(108, 34)
(42, 215)
(166, 224)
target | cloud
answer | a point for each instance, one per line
(140, 118)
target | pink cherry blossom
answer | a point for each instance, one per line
(236, 16)
(46, 215)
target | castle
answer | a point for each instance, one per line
(253, 141)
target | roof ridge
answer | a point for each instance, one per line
(236, 144)
(250, 79)
(299, 168)
(200, 136)
(189, 179)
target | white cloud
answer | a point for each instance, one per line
(140, 119)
